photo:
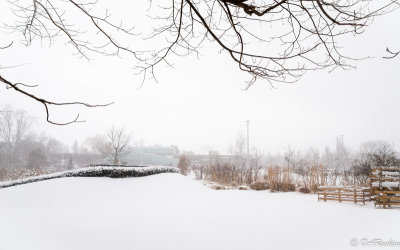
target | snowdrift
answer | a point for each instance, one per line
(97, 171)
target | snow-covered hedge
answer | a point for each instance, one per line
(98, 171)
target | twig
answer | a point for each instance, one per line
(46, 103)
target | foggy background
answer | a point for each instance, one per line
(200, 105)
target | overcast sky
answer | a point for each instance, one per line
(200, 104)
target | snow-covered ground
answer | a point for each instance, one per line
(170, 211)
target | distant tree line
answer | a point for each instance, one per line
(296, 170)
(23, 150)
(21, 146)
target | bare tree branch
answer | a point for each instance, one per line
(7, 46)
(46, 103)
(271, 40)
(305, 40)
(391, 54)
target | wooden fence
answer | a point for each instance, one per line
(385, 186)
(354, 194)
(387, 198)
(384, 179)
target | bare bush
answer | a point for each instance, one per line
(198, 171)
(304, 190)
(311, 176)
(379, 153)
(280, 179)
(20, 173)
(259, 185)
(228, 174)
(372, 153)
(184, 164)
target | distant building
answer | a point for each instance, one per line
(206, 158)
(157, 150)
(152, 155)
(78, 160)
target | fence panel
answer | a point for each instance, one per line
(353, 194)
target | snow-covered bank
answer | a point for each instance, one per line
(97, 171)
(170, 211)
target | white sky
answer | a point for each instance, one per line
(200, 105)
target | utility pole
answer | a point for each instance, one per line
(343, 154)
(248, 142)
(342, 141)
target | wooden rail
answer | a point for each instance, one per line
(385, 185)
(387, 198)
(354, 194)
(384, 179)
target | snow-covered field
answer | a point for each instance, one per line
(170, 211)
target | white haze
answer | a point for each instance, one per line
(200, 104)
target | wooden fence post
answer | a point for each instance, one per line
(325, 195)
(363, 197)
(384, 200)
(355, 196)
